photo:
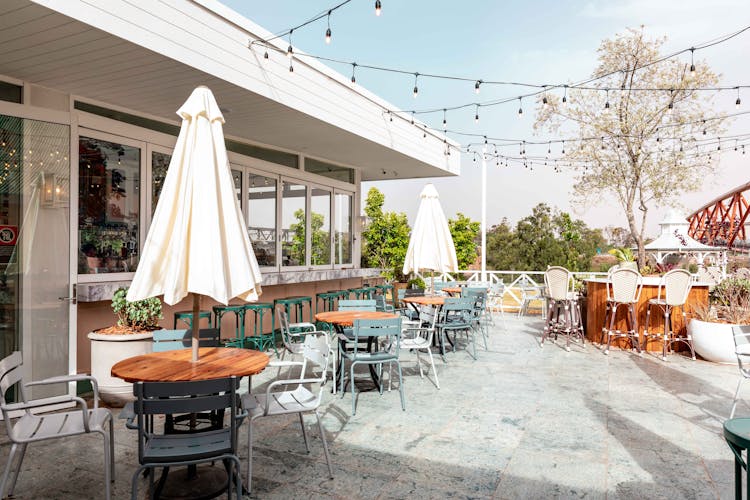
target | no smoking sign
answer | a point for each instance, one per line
(8, 235)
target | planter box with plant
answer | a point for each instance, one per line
(131, 336)
(711, 324)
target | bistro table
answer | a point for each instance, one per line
(343, 319)
(177, 366)
(453, 290)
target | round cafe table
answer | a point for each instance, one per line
(453, 290)
(342, 319)
(177, 365)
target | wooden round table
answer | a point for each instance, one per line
(176, 366)
(346, 318)
(453, 290)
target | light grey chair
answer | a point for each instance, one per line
(296, 395)
(741, 335)
(31, 428)
(385, 335)
(420, 339)
(358, 305)
(456, 315)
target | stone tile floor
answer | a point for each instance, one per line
(520, 422)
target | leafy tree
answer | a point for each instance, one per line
(464, 232)
(547, 237)
(647, 152)
(320, 243)
(386, 237)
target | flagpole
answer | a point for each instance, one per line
(484, 213)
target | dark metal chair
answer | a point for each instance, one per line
(167, 450)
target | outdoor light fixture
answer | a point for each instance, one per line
(378, 6)
(544, 100)
(328, 30)
(445, 121)
(476, 115)
(738, 102)
(606, 104)
(416, 89)
(692, 63)
(520, 107)
(476, 86)
(265, 56)
(290, 50)
(354, 67)
(565, 95)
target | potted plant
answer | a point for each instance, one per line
(711, 324)
(625, 257)
(131, 336)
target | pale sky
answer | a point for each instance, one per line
(541, 42)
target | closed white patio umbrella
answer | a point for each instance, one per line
(198, 241)
(431, 244)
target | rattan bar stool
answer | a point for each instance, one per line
(676, 285)
(626, 290)
(562, 300)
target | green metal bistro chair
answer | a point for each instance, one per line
(294, 307)
(167, 450)
(187, 318)
(361, 293)
(384, 335)
(737, 435)
(261, 338)
(328, 300)
(31, 428)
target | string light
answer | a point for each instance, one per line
(476, 86)
(738, 102)
(606, 104)
(265, 55)
(520, 107)
(378, 7)
(565, 95)
(290, 50)
(692, 62)
(445, 120)
(354, 68)
(476, 115)
(328, 30)
(544, 99)
(416, 89)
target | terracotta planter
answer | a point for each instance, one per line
(106, 350)
(713, 341)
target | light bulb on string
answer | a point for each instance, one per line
(738, 102)
(606, 103)
(354, 68)
(424, 132)
(692, 62)
(328, 30)
(563, 146)
(476, 115)
(565, 95)
(291, 68)
(549, 147)
(265, 55)
(520, 107)
(445, 120)
(416, 89)
(544, 100)
(476, 86)
(378, 7)
(290, 50)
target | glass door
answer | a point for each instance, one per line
(35, 247)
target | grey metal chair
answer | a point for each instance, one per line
(673, 292)
(168, 450)
(296, 395)
(358, 305)
(31, 428)
(481, 318)
(456, 315)
(382, 305)
(387, 351)
(420, 339)
(741, 336)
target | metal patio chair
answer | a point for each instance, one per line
(31, 428)
(741, 336)
(287, 396)
(456, 315)
(420, 338)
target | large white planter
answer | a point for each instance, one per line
(713, 341)
(107, 350)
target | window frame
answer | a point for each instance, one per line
(331, 215)
(352, 196)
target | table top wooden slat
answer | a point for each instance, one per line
(346, 318)
(426, 300)
(452, 290)
(177, 365)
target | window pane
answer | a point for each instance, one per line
(261, 218)
(108, 201)
(320, 227)
(330, 171)
(293, 219)
(343, 235)
(237, 176)
(159, 165)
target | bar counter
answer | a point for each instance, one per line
(596, 300)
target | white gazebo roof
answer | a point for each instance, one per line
(674, 237)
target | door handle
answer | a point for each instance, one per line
(73, 299)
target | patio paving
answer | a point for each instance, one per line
(520, 422)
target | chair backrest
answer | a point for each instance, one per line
(357, 305)
(677, 284)
(283, 319)
(457, 309)
(609, 280)
(558, 282)
(11, 373)
(169, 398)
(626, 285)
(741, 335)
(428, 317)
(413, 292)
(388, 328)
(170, 340)
(473, 292)
(380, 303)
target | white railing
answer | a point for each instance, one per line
(519, 285)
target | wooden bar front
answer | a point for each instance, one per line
(596, 299)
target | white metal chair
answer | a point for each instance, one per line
(626, 290)
(741, 335)
(293, 335)
(673, 292)
(288, 396)
(420, 338)
(31, 428)
(495, 298)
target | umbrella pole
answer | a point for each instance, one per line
(195, 325)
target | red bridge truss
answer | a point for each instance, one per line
(722, 221)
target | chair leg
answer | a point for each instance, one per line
(304, 432)
(249, 455)
(432, 363)
(401, 386)
(325, 445)
(736, 396)
(108, 479)
(612, 316)
(419, 364)
(134, 483)
(351, 381)
(6, 472)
